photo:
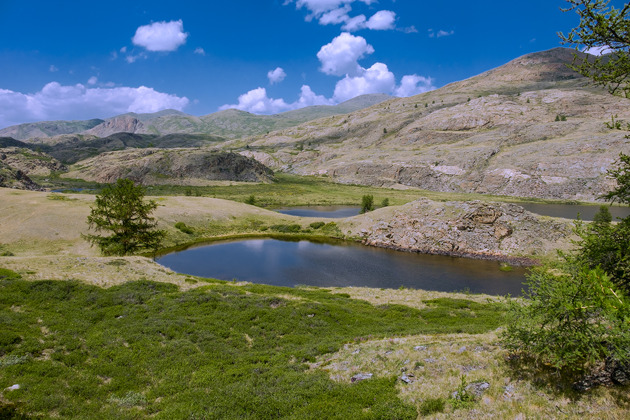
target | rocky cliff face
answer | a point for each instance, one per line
(531, 128)
(473, 229)
(172, 166)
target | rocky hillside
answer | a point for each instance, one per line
(13, 178)
(230, 124)
(171, 166)
(531, 128)
(30, 162)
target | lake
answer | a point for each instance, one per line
(567, 211)
(286, 263)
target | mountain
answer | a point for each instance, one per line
(532, 127)
(230, 123)
(48, 128)
(71, 148)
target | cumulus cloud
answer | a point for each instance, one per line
(58, 102)
(257, 101)
(161, 36)
(200, 51)
(276, 76)
(340, 57)
(383, 20)
(337, 12)
(413, 84)
(376, 79)
(53, 68)
(598, 51)
(92, 80)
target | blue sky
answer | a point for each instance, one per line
(81, 60)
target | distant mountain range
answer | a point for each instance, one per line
(230, 124)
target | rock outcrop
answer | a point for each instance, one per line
(171, 166)
(12, 178)
(476, 229)
(30, 162)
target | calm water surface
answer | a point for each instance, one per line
(328, 212)
(284, 263)
(567, 211)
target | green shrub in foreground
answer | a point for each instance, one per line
(574, 317)
(145, 349)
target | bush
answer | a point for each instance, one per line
(574, 318)
(251, 200)
(317, 225)
(186, 229)
(385, 202)
(462, 398)
(295, 228)
(367, 203)
(432, 406)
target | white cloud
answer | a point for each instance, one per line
(337, 12)
(200, 51)
(256, 101)
(123, 50)
(161, 36)
(354, 23)
(382, 20)
(413, 84)
(336, 17)
(58, 102)
(276, 76)
(440, 34)
(598, 51)
(309, 98)
(340, 57)
(376, 79)
(92, 80)
(53, 68)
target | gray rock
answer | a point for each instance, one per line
(361, 377)
(408, 378)
(478, 388)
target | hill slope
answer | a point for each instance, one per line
(531, 128)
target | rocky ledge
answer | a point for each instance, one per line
(474, 229)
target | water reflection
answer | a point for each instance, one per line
(283, 263)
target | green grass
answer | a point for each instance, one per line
(145, 349)
(293, 190)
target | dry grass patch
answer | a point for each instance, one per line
(434, 366)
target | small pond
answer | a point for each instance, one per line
(327, 212)
(567, 211)
(285, 263)
(571, 211)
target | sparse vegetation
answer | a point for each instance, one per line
(184, 228)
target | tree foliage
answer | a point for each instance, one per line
(607, 29)
(120, 210)
(574, 317)
(367, 203)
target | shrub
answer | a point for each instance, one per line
(432, 406)
(317, 225)
(574, 317)
(251, 200)
(367, 203)
(385, 202)
(184, 228)
(462, 398)
(295, 228)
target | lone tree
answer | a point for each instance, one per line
(603, 29)
(120, 210)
